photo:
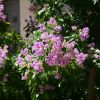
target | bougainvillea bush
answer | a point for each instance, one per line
(53, 65)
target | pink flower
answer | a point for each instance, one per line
(45, 36)
(19, 59)
(58, 28)
(4, 55)
(56, 38)
(2, 16)
(38, 48)
(85, 30)
(97, 56)
(37, 66)
(73, 53)
(81, 58)
(24, 52)
(28, 58)
(64, 60)
(91, 45)
(24, 77)
(57, 46)
(42, 27)
(84, 34)
(70, 45)
(53, 58)
(52, 21)
(22, 63)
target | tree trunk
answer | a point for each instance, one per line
(92, 74)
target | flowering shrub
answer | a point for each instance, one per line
(45, 63)
(11, 86)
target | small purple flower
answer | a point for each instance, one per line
(81, 58)
(42, 27)
(4, 55)
(38, 48)
(45, 36)
(28, 58)
(57, 46)
(58, 76)
(74, 52)
(19, 59)
(24, 52)
(97, 56)
(52, 21)
(56, 38)
(53, 58)
(2, 16)
(70, 45)
(1, 7)
(24, 77)
(91, 45)
(22, 63)
(64, 60)
(37, 66)
(58, 28)
(85, 30)
(84, 34)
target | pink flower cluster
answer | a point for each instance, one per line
(2, 16)
(27, 60)
(3, 55)
(52, 49)
(84, 34)
(52, 23)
